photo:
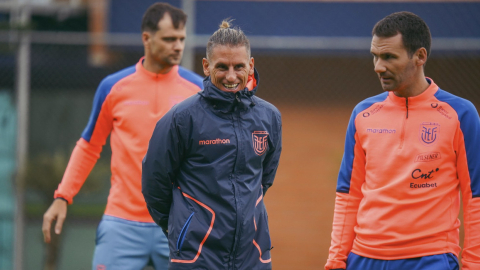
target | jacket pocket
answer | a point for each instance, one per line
(194, 233)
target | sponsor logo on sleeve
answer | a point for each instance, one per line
(443, 112)
(260, 142)
(429, 133)
(425, 175)
(426, 157)
(373, 111)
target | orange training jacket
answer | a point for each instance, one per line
(398, 192)
(127, 105)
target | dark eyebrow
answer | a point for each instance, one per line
(220, 65)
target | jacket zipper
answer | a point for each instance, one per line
(402, 138)
(183, 233)
(155, 100)
(236, 125)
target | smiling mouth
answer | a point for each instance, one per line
(230, 86)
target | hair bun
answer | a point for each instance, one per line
(225, 24)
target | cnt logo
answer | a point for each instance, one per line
(260, 142)
(418, 174)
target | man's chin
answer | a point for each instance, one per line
(229, 90)
(388, 87)
(176, 62)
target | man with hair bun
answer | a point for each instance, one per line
(398, 192)
(127, 105)
(210, 162)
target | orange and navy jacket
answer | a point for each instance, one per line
(209, 163)
(127, 105)
(406, 161)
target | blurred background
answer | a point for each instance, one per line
(314, 64)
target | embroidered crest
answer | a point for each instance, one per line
(260, 142)
(429, 132)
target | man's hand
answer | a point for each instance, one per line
(56, 211)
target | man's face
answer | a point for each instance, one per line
(395, 69)
(229, 67)
(165, 46)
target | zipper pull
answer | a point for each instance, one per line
(237, 97)
(407, 105)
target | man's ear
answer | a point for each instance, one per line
(252, 65)
(421, 56)
(146, 36)
(205, 64)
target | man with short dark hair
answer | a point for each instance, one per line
(211, 160)
(127, 105)
(408, 153)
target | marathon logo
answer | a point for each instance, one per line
(217, 141)
(426, 157)
(381, 130)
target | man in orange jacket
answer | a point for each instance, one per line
(127, 106)
(408, 153)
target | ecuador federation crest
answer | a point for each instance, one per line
(260, 142)
(429, 132)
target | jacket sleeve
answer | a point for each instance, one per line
(88, 147)
(348, 197)
(160, 167)
(468, 169)
(271, 161)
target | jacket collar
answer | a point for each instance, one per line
(227, 101)
(420, 99)
(144, 72)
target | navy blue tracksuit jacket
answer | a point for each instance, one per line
(209, 163)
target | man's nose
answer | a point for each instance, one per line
(179, 45)
(379, 66)
(231, 75)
